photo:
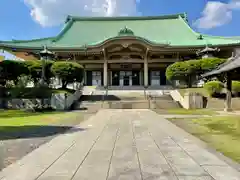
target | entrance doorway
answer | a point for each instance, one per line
(135, 78)
(155, 78)
(126, 80)
(115, 78)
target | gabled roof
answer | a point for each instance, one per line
(80, 32)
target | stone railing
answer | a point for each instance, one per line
(64, 101)
(189, 100)
(72, 98)
(178, 97)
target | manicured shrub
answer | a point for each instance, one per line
(214, 88)
(30, 93)
(189, 71)
(208, 64)
(11, 70)
(35, 70)
(236, 88)
(186, 71)
(68, 72)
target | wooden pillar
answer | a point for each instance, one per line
(228, 86)
(146, 69)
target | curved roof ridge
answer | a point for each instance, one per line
(67, 26)
(187, 25)
(220, 37)
(30, 40)
(133, 36)
(104, 18)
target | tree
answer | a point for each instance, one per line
(68, 72)
(35, 70)
(190, 70)
(185, 70)
(209, 64)
(12, 70)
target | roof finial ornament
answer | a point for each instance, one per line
(125, 32)
(200, 37)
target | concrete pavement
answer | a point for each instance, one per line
(122, 145)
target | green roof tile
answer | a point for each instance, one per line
(81, 31)
(29, 43)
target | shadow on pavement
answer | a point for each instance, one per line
(21, 132)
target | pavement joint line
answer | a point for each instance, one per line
(22, 164)
(188, 154)
(180, 146)
(150, 134)
(55, 161)
(90, 149)
(114, 146)
(135, 145)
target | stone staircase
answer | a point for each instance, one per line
(127, 99)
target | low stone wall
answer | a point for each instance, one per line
(189, 100)
(178, 98)
(25, 103)
(60, 101)
(63, 101)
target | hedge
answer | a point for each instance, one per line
(236, 88)
(188, 71)
(213, 87)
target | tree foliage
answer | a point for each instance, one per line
(214, 87)
(209, 64)
(185, 71)
(35, 70)
(190, 70)
(12, 70)
(68, 72)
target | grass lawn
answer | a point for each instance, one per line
(12, 121)
(220, 132)
(182, 111)
(21, 118)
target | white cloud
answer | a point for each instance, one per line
(216, 14)
(54, 12)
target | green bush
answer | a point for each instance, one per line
(186, 71)
(11, 70)
(68, 72)
(236, 87)
(208, 64)
(30, 93)
(35, 70)
(213, 87)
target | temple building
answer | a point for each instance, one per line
(126, 51)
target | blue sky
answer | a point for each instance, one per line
(27, 19)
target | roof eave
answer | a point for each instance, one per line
(155, 44)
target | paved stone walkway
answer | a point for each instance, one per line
(122, 145)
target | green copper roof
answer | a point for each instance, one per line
(29, 43)
(89, 31)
